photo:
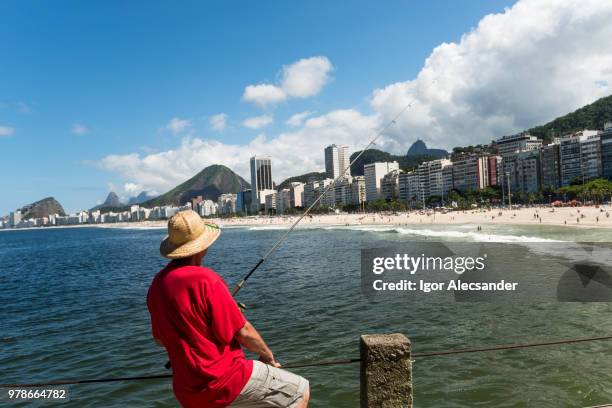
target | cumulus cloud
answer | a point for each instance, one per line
(293, 153)
(258, 122)
(6, 131)
(79, 129)
(298, 118)
(263, 95)
(302, 79)
(533, 62)
(306, 77)
(524, 66)
(218, 122)
(178, 125)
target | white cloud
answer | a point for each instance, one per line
(6, 131)
(516, 69)
(293, 153)
(258, 122)
(178, 125)
(298, 118)
(79, 129)
(306, 77)
(218, 122)
(263, 95)
(302, 79)
(132, 188)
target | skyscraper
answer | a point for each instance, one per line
(550, 166)
(336, 161)
(580, 156)
(261, 179)
(373, 174)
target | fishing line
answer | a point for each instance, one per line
(273, 248)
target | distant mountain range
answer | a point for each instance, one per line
(210, 183)
(42, 208)
(417, 154)
(114, 202)
(215, 180)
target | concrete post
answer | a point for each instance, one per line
(386, 371)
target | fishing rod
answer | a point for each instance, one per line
(273, 248)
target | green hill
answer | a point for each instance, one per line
(42, 208)
(591, 116)
(210, 183)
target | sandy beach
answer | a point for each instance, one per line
(591, 217)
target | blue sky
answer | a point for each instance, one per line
(82, 81)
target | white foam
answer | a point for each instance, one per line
(448, 233)
(476, 236)
(268, 228)
(127, 227)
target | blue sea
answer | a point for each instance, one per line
(73, 306)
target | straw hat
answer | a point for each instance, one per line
(188, 235)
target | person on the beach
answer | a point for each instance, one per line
(195, 318)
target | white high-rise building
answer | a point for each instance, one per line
(436, 177)
(342, 191)
(270, 202)
(328, 198)
(283, 200)
(358, 190)
(409, 188)
(296, 195)
(389, 185)
(575, 164)
(337, 159)
(310, 192)
(373, 174)
(261, 180)
(206, 207)
(471, 172)
(226, 203)
(14, 218)
(590, 157)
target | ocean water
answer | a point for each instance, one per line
(73, 306)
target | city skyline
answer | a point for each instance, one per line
(85, 110)
(520, 163)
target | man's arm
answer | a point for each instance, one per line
(249, 338)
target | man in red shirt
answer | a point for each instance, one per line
(194, 316)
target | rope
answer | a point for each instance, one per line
(324, 363)
(509, 347)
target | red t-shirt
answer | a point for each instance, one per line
(195, 317)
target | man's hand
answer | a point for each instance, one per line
(250, 338)
(270, 360)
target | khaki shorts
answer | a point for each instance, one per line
(271, 387)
